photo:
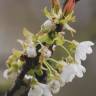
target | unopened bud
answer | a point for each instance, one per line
(68, 6)
(31, 51)
(48, 26)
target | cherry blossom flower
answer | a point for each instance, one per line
(41, 64)
(82, 49)
(71, 70)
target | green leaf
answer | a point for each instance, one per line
(17, 53)
(14, 58)
(39, 72)
(27, 34)
(15, 66)
(46, 12)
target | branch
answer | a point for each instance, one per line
(29, 62)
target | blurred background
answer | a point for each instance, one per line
(17, 14)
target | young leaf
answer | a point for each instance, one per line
(59, 39)
(27, 34)
(45, 38)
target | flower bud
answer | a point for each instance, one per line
(48, 26)
(68, 6)
(31, 51)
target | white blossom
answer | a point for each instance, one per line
(82, 49)
(31, 51)
(79, 69)
(71, 70)
(68, 73)
(54, 86)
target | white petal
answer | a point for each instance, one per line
(89, 50)
(5, 74)
(68, 73)
(80, 53)
(79, 69)
(54, 86)
(62, 82)
(36, 91)
(71, 77)
(54, 47)
(48, 53)
(87, 43)
(46, 91)
(28, 77)
(31, 52)
(69, 28)
(48, 25)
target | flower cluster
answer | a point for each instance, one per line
(48, 75)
